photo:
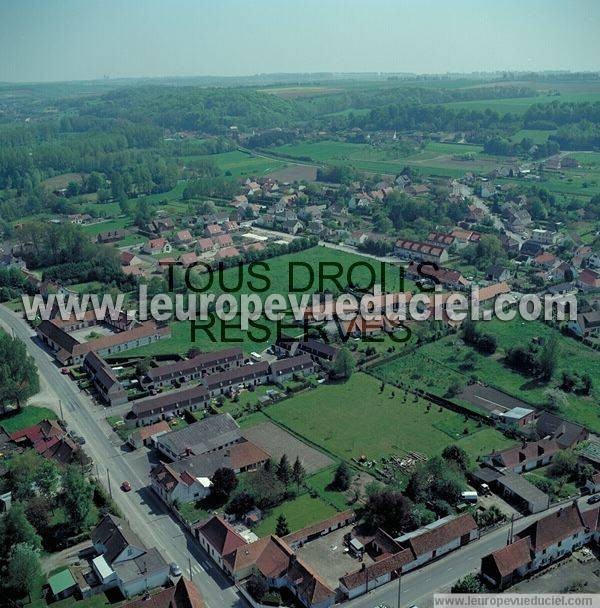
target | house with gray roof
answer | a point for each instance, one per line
(211, 434)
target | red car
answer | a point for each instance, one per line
(64, 370)
(126, 486)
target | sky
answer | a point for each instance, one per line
(56, 40)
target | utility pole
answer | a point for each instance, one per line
(108, 476)
(190, 566)
(399, 586)
(60, 406)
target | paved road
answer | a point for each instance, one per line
(418, 587)
(148, 516)
(144, 511)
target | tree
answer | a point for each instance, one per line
(456, 454)
(224, 483)
(257, 587)
(344, 364)
(298, 473)
(282, 528)
(47, 478)
(240, 504)
(23, 567)
(142, 366)
(391, 511)
(284, 471)
(436, 479)
(144, 213)
(342, 478)
(14, 529)
(469, 584)
(18, 373)
(29, 472)
(77, 497)
(548, 357)
(488, 251)
(38, 512)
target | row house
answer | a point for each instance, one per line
(540, 544)
(194, 368)
(104, 379)
(417, 250)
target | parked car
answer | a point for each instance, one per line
(592, 500)
(175, 569)
(126, 486)
(64, 370)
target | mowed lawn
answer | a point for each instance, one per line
(449, 354)
(353, 418)
(299, 513)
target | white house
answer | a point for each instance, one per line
(540, 544)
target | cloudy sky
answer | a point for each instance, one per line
(48, 40)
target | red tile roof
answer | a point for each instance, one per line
(554, 527)
(221, 536)
(183, 595)
(511, 557)
(270, 555)
(442, 535)
(385, 566)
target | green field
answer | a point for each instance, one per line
(300, 512)
(519, 105)
(353, 418)
(435, 159)
(447, 355)
(98, 227)
(279, 273)
(537, 136)
(28, 416)
(240, 163)
(319, 483)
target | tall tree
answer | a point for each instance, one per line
(224, 483)
(298, 473)
(23, 567)
(282, 528)
(344, 364)
(457, 455)
(18, 373)
(548, 357)
(77, 499)
(388, 510)
(15, 528)
(284, 471)
(342, 478)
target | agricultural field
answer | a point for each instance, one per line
(537, 136)
(448, 355)
(62, 181)
(519, 105)
(239, 163)
(292, 92)
(434, 159)
(96, 228)
(354, 418)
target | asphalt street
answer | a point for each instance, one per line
(151, 520)
(144, 511)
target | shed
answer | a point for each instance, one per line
(62, 584)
